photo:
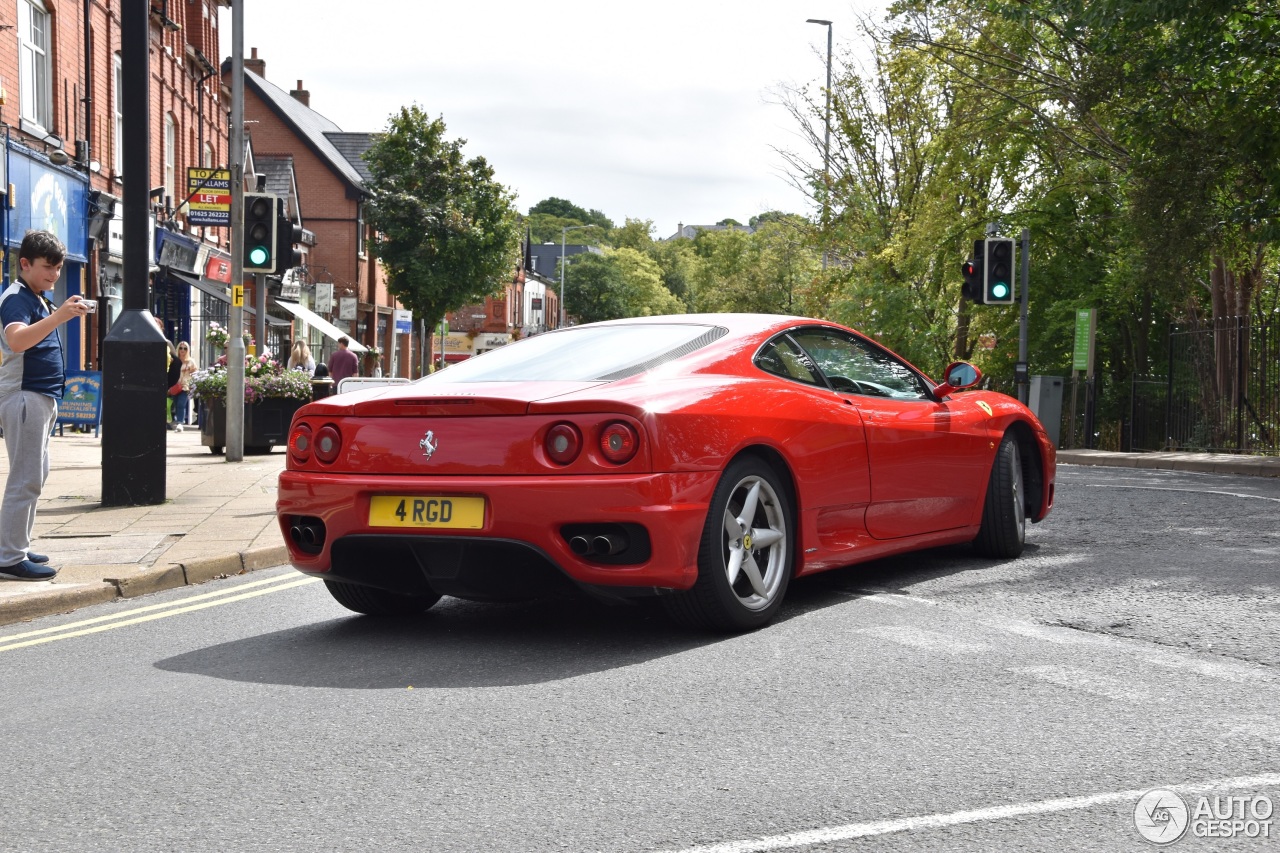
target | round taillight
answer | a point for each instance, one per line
(300, 443)
(563, 443)
(619, 442)
(327, 443)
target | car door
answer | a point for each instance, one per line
(926, 457)
(831, 450)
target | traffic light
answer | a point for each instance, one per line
(997, 272)
(972, 270)
(259, 232)
(287, 236)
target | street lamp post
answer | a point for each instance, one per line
(826, 139)
(563, 233)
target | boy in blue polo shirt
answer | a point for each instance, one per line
(31, 381)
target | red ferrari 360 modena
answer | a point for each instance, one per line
(706, 459)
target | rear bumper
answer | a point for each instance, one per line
(523, 536)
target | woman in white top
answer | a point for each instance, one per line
(300, 358)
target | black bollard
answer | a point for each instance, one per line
(134, 433)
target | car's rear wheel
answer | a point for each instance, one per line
(1004, 516)
(378, 602)
(746, 554)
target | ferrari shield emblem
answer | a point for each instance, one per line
(981, 405)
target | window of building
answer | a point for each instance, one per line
(117, 103)
(33, 62)
(208, 156)
(170, 143)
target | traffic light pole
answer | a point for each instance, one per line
(260, 322)
(1022, 371)
(235, 345)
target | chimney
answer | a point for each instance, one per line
(301, 95)
(256, 65)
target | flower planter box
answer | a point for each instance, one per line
(266, 424)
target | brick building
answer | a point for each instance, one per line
(60, 111)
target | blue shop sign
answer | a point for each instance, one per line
(50, 199)
(82, 399)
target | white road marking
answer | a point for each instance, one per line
(65, 632)
(917, 638)
(1050, 634)
(936, 821)
(1084, 681)
(1240, 673)
(1194, 491)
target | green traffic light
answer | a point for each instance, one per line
(258, 256)
(999, 290)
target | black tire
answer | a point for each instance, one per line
(1004, 516)
(751, 507)
(378, 602)
(216, 450)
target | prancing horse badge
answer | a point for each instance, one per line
(428, 444)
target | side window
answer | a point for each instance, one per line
(855, 366)
(782, 357)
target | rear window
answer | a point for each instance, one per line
(587, 354)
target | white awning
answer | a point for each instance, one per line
(315, 321)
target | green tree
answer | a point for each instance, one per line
(548, 216)
(633, 234)
(445, 230)
(615, 284)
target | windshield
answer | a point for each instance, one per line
(588, 353)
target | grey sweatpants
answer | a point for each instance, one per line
(27, 418)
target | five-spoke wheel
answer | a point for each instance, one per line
(746, 555)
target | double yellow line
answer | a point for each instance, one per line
(136, 616)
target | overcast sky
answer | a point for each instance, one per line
(649, 109)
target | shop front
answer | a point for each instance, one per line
(49, 198)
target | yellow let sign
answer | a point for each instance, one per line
(237, 294)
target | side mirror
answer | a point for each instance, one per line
(959, 375)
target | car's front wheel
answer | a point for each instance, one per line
(1004, 516)
(378, 602)
(746, 555)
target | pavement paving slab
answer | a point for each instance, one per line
(218, 519)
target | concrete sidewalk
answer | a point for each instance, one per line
(218, 520)
(1204, 463)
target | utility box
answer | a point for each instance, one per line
(1046, 402)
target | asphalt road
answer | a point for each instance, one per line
(932, 702)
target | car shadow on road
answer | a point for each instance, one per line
(468, 644)
(455, 644)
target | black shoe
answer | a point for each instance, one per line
(27, 571)
(37, 558)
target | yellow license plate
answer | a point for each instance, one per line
(426, 511)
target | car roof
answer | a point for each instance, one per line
(737, 324)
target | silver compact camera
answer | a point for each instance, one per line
(90, 306)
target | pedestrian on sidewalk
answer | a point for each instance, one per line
(300, 358)
(31, 383)
(182, 400)
(343, 362)
(172, 379)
